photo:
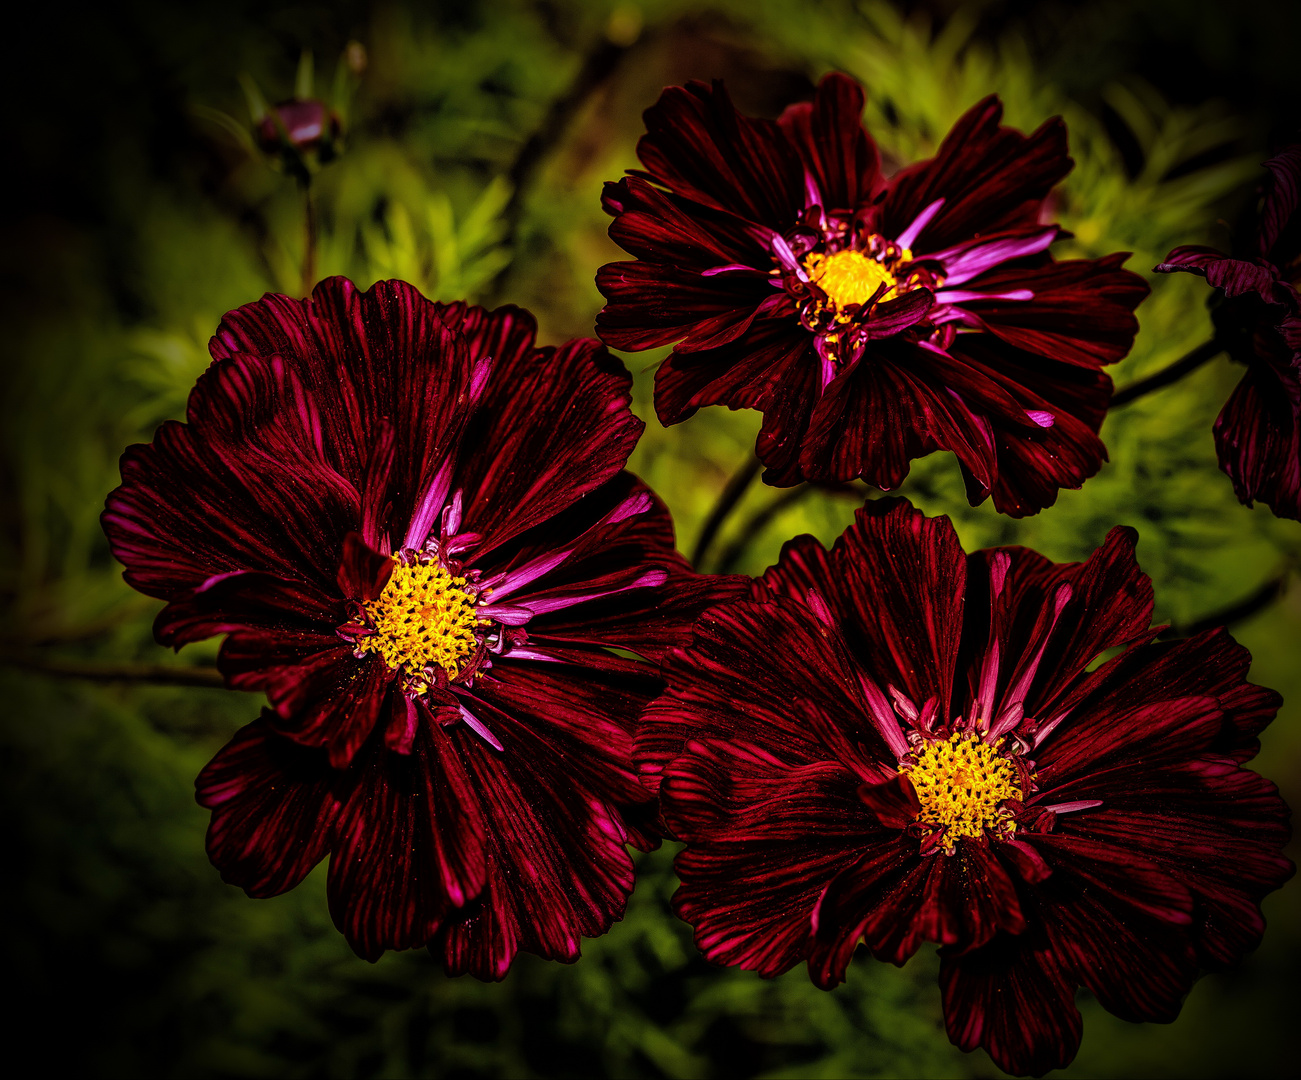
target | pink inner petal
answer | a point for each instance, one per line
(884, 719)
(958, 296)
(429, 506)
(727, 269)
(530, 571)
(1071, 807)
(909, 236)
(964, 262)
(478, 727)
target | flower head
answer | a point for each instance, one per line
(412, 526)
(893, 742)
(873, 320)
(1258, 320)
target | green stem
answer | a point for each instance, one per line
(309, 240)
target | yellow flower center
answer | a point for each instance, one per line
(423, 616)
(849, 277)
(961, 784)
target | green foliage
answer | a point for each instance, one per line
(123, 922)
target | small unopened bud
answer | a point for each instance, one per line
(354, 55)
(304, 135)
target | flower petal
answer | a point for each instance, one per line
(768, 367)
(991, 178)
(649, 305)
(1258, 438)
(893, 900)
(699, 147)
(560, 868)
(1235, 276)
(839, 155)
(411, 845)
(1013, 998)
(553, 426)
(767, 837)
(1283, 198)
(1082, 312)
(274, 806)
(659, 228)
(801, 693)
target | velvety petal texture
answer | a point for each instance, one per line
(1258, 322)
(413, 528)
(893, 742)
(871, 320)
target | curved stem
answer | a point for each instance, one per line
(1176, 371)
(1250, 605)
(159, 674)
(760, 518)
(727, 499)
(598, 65)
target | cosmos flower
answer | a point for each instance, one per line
(413, 527)
(1258, 320)
(873, 320)
(895, 742)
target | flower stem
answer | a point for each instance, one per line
(161, 674)
(309, 239)
(599, 64)
(760, 518)
(1250, 605)
(727, 500)
(1206, 351)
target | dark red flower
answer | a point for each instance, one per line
(873, 320)
(412, 526)
(896, 742)
(1258, 321)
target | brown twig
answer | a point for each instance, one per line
(599, 64)
(158, 674)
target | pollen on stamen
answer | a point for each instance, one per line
(849, 277)
(962, 783)
(424, 617)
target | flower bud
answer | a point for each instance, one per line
(304, 135)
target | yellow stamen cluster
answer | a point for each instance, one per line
(962, 783)
(424, 616)
(849, 277)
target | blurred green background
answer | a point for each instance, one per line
(478, 136)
